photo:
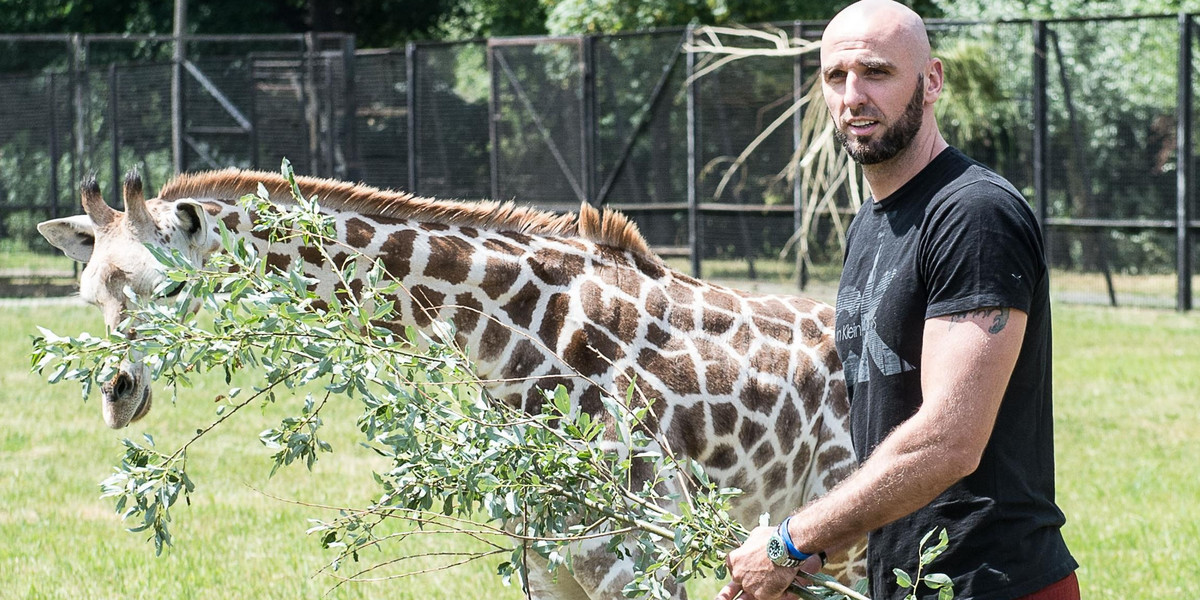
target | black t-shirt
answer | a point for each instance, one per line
(956, 237)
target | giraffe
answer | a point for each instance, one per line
(748, 385)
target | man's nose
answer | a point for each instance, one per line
(855, 92)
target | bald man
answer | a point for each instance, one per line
(943, 326)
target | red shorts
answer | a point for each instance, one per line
(1066, 588)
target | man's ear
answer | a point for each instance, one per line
(194, 221)
(75, 236)
(935, 78)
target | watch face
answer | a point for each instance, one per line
(775, 549)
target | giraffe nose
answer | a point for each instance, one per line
(122, 385)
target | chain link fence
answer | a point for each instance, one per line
(1081, 115)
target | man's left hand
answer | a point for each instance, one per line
(754, 575)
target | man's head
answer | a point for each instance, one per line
(879, 79)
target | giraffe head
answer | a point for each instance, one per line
(113, 244)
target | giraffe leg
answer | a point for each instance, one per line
(603, 575)
(544, 585)
(848, 565)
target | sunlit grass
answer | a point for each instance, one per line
(1125, 388)
(61, 540)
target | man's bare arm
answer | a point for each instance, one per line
(966, 362)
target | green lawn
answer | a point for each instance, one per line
(1126, 384)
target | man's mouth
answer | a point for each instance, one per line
(861, 127)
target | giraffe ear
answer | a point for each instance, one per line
(194, 221)
(75, 236)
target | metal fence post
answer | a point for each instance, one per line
(410, 99)
(114, 116)
(350, 165)
(1185, 167)
(51, 102)
(312, 104)
(587, 118)
(493, 121)
(78, 81)
(1040, 148)
(255, 121)
(693, 145)
(797, 125)
(178, 55)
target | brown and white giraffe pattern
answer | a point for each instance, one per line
(748, 385)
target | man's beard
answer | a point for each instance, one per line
(895, 139)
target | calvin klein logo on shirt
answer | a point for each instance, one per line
(862, 307)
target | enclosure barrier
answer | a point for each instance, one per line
(1072, 111)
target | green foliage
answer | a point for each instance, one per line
(458, 460)
(608, 16)
(974, 105)
(464, 19)
(146, 485)
(1056, 9)
(934, 581)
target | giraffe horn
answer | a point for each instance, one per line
(94, 205)
(135, 199)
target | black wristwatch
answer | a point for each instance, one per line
(777, 552)
(780, 549)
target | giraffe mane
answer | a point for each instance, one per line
(607, 227)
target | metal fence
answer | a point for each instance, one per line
(1081, 115)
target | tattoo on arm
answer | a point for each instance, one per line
(998, 315)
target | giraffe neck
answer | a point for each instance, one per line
(505, 292)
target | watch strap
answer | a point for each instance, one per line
(792, 550)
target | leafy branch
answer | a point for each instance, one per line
(934, 581)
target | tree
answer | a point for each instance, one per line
(609, 16)
(1111, 88)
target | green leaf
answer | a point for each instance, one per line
(862, 586)
(930, 554)
(937, 580)
(902, 578)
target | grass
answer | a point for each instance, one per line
(1125, 390)
(1125, 383)
(61, 540)
(33, 262)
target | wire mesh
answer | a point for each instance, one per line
(219, 109)
(140, 103)
(987, 104)
(284, 126)
(538, 107)
(381, 119)
(453, 147)
(753, 215)
(36, 172)
(1112, 151)
(1194, 72)
(26, 55)
(641, 132)
(604, 119)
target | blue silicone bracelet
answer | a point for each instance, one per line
(787, 542)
